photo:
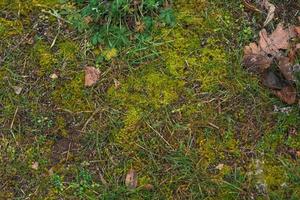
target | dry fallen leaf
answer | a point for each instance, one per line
(117, 84)
(131, 179)
(92, 75)
(286, 68)
(220, 166)
(287, 94)
(35, 165)
(17, 89)
(53, 76)
(254, 58)
(279, 39)
(148, 187)
(259, 57)
(271, 11)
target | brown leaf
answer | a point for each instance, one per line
(257, 63)
(271, 11)
(35, 165)
(92, 75)
(254, 59)
(131, 179)
(286, 68)
(148, 187)
(297, 30)
(279, 39)
(287, 94)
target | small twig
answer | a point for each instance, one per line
(90, 118)
(54, 40)
(13, 120)
(55, 14)
(160, 136)
(104, 182)
(213, 125)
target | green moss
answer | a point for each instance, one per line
(72, 95)
(61, 126)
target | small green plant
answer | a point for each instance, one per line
(119, 23)
(84, 184)
(57, 182)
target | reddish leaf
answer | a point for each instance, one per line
(279, 39)
(92, 75)
(297, 30)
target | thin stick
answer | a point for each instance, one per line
(160, 136)
(13, 120)
(90, 118)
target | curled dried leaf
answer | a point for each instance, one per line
(271, 11)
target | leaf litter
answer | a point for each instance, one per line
(273, 58)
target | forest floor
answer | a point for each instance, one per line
(185, 117)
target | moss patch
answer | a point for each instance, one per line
(72, 95)
(46, 60)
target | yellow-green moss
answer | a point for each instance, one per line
(68, 50)
(71, 95)
(61, 126)
(275, 175)
(130, 130)
(46, 60)
(147, 88)
(25, 7)
(10, 28)
(193, 51)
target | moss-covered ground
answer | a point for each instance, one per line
(190, 121)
